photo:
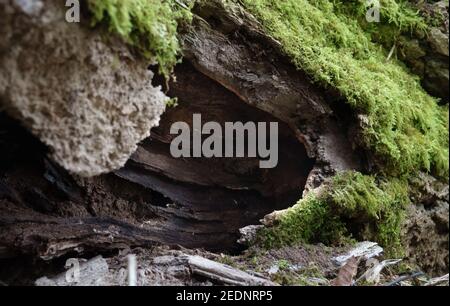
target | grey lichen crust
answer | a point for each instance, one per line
(89, 101)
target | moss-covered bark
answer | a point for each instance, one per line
(149, 25)
(401, 123)
(351, 206)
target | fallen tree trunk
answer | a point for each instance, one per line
(231, 72)
(229, 75)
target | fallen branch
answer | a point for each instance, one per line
(437, 280)
(404, 278)
(216, 272)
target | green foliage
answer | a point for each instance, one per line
(303, 277)
(310, 220)
(173, 102)
(283, 264)
(401, 123)
(149, 25)
(399, 15)
(353, 205)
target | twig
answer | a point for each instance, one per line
(404, 278)
(437, 280)
(132, 270)
(390, 53)
(181, 4)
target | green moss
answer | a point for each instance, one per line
(283, 264)
(399, 15)
(398, 18)
(149, 25)
(402, 124)
(302, 277)
(173, 102)
(351, 206)
(310, 220)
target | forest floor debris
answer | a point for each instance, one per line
(312, 265)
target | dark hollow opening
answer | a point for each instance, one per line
(215, 197)
(155, 198)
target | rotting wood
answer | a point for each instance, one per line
(217, 272)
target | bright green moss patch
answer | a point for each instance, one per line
(397, 18)
(401, 123)
(400, 15)
(352, 206)
(149, 25)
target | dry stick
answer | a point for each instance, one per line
(132, 270)
(181, 4)
(404, 278)
(437, 280)
(223, 273)
(390, 53)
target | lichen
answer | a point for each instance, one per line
(149, 25)
(352, 206)
(403, 126)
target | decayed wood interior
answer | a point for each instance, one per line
(154, 199)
